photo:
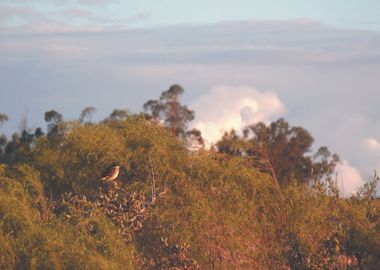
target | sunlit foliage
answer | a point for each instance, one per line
(171, 207)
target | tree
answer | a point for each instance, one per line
(17, 150)
(194, 139)
(53, 118)
(174, 114)
(285, 148)
(38, 132)
(3, 138)
(3, 118)
(3, 143)
(87, 113)
(118, 114)
(324, 162)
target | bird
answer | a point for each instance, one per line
(111, 173)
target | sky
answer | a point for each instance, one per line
(315, 63)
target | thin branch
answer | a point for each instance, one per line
(153, 183)
(264, 164)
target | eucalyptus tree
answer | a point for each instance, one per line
(168, 109)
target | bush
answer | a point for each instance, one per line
(171, 208)
(32, 237)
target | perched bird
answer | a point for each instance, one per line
(111, 173)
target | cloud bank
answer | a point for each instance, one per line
(349, 179)
(228, 107)
(371, 144)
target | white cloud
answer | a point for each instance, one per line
(66, 17)
(226, 107)
(349, 178)
(371, 144)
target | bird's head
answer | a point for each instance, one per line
(115, 164)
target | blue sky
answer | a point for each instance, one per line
(315, 63)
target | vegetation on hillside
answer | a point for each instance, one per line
(248, 203)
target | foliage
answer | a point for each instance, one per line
(32, 237)
(173, 208)
(53, 118)
(118, 114)
(174, 115)
(19, 149)
(284, 148)
(3, 118)
(87, 114)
